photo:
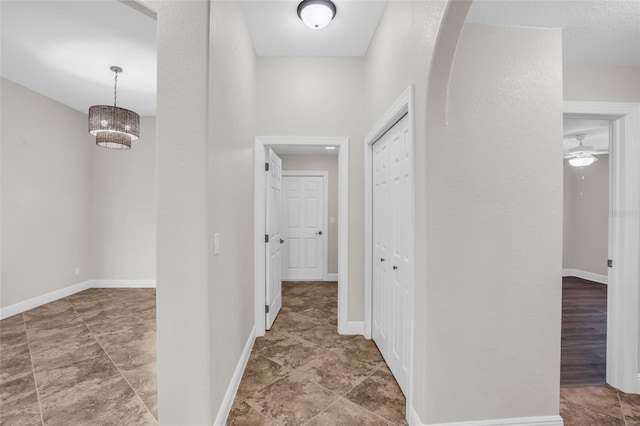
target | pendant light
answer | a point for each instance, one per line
(112, 126)
(316, 14)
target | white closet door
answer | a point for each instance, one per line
(303, 221)
(273, 273)
(392, 168)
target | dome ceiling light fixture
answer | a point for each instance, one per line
(581, 156)
(114, 127)
(316, 14)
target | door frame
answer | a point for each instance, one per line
(325, 213)
(404, 105)
(624, 237)
(262, 142)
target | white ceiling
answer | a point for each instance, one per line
(596, 131)
(594, 32)
(63, 50)
(276, 30)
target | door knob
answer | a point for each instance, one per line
(382, 259)
(281, 241)
(319, 233)
(395, 267)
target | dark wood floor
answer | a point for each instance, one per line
(584, 332)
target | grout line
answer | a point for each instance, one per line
(624, 418)
(113, 362)
(33, 370)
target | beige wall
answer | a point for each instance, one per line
(495, 230)
(123, 208)
(183, 302)
(230, 189)
(328, 163)
(601, 83)
(205, 147)
(46, 161)
(585, 231)
(321, 97)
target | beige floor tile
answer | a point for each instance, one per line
(381, 395)
(291, 401)
(344, 412)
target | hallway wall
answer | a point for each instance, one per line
(321, 97)
(328, 163)
(586, 223)
(495, 230)
(232, 118)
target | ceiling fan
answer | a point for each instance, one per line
(581, 155)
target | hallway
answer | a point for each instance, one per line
(303, 373)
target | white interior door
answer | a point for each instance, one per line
(273, 237)
(303, 223)
(392, 263)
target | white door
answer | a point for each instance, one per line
(303, 223)
(392, 264)
(273, 275)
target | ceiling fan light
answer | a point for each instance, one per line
(582, 160)
(316, 14)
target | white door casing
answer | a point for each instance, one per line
(392, 247)
(342, 143)
(304, 225)
(403, 106)
(623, 364)
(273, 224)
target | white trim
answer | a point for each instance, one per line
(331, 277)
(517, 421)
(325, 212)
(589, 276)
(261, 143)
(414, 420)
(34, 302)
(403, 105)
(123, 283)
(232, 389)
(354, 327)
(624, 237)
(638, 385)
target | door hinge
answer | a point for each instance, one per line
(266, 167)
(610, 263)
(266, 309)
(266, 238)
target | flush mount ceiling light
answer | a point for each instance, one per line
(316, 14)
(114, 127)
(581, 156)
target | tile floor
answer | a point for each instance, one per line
(303, 373)
(86, 359)
(90, 359)
(598, 406)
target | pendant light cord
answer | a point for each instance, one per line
(115, 90)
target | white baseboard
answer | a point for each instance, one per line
(412, 417)
(21, 307)
(590, 276)
(518, 421)
(331, 277)
(638, 386)
(353, 327)
(232, 389)
(123, 283)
